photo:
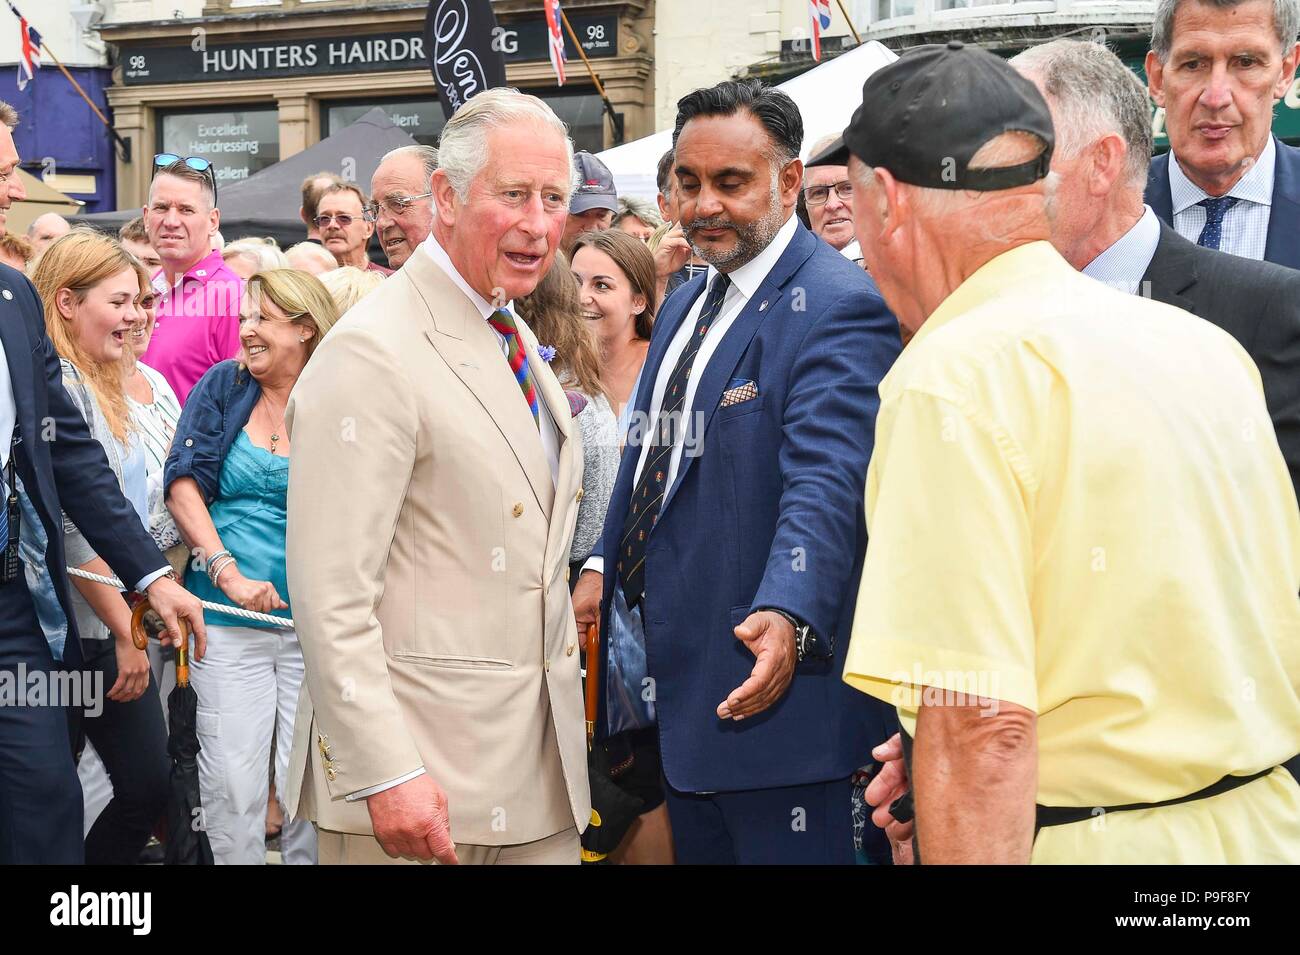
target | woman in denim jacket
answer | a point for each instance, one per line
(91, 289)
(227, 481)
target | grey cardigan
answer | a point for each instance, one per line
(600, 454)
(77, 550)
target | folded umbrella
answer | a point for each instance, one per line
(613, 809)
(187, 840)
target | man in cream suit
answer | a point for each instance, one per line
(432, 496)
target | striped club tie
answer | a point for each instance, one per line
(648, 494)
(504, 323)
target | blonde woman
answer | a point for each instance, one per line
(91, 289)
(349, 285)
(248, 255)
(227, 480)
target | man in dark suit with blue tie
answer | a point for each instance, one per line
(1218, 68)
(50, 463)
(735, 534)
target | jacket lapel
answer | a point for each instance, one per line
(472, 351)
(1171, 275)
(1159, 196)
(1282, 245)
(732, 348)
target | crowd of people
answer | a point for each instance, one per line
(932, 498)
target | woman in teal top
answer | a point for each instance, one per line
(227, 479)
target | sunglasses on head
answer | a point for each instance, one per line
(162, 160)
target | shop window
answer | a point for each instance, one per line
(889, 9)
(421, 119)
(238, 142)
(585, 117)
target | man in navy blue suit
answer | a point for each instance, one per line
(49, 459)
(735, 534)
(1218, 69)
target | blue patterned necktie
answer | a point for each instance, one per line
(648, 495)
(1215, 209)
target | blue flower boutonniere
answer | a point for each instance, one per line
(546, 353)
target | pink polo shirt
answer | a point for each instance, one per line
(198, 323)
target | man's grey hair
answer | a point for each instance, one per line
(1094, 94)
(817, 148)
(1286, 22)
(638, 208)
(8, 115)
(426, 154)
(463, 152)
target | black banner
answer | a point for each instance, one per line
(515, 41)
(460, 37)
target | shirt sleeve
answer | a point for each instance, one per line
(944, 600)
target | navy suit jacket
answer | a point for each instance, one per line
(62, 467)
(767, 513)
(1283, 244)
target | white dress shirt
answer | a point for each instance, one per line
(8, 408)
(549, 432)
(1123, 264)
(745, 281)
(1245, 225)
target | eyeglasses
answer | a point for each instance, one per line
(343, 219)
(162, 160)
(817, 195)
(394, 205)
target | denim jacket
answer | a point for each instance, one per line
(215, 412)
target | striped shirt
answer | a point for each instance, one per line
(1245, 225)
(156, 424)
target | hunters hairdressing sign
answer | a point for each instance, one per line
(322, 56)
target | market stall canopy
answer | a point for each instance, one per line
(267, 203)
(826, 96)
(40, 200)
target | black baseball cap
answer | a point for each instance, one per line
(926, 114)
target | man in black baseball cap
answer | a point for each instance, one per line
(1037, 486)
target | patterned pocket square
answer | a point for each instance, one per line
(740, 391)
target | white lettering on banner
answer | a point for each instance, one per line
(458, 71)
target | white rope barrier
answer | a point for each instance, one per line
(207, 604)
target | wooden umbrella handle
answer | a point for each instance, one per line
(141, 640)
(592, 689)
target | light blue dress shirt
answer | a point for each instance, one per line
(1123, 264)
(1245, 225)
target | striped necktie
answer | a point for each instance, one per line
(504, 323)
(648, 494)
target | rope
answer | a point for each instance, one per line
(207, 604)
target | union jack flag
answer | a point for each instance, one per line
(30, 60)
(555, 39)
(821, 20)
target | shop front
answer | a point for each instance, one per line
(246, 91)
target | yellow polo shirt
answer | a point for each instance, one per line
(1077, 504)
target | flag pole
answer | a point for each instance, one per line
(614, 117)
(849, 21)
(125, 146)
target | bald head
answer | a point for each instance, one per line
(46, 229)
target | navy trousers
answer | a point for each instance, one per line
(40, 797)
(796, 825)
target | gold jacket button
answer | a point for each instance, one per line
(568, 651)
(579, 494)
(331, 775)
(567, 574)
(518, 510)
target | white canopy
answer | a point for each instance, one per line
(826, 95)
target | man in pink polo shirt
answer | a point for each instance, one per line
(198, 304)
